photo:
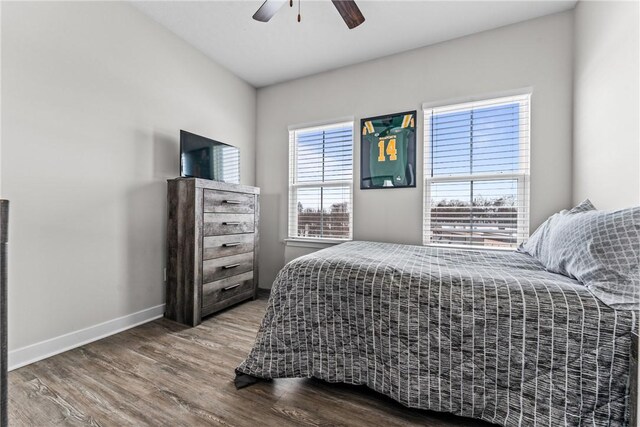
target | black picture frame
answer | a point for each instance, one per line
(379, 175)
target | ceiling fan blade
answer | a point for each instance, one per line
(268, 9)
(350, 12)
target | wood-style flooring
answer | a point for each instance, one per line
(165, 374)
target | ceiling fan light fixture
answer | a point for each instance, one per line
(348, 10)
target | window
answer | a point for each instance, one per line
(476, 167)
(321, 182)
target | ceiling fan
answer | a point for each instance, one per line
(346, 8)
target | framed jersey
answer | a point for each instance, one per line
(388, 151)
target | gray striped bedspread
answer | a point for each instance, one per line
(483, 334)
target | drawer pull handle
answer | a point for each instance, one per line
(232, 202)
(225, 267)
(228, 288)
(230, 223)
(230, 245)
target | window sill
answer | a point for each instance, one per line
(313, 243)
(471, 248)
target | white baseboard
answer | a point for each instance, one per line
(41, 350)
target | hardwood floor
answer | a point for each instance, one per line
(162, 373)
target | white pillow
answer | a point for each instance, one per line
(601, 249)
(538, 243)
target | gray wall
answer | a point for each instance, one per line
(536, 54)
(93, 97)
(607, 104)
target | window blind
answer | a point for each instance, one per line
(476, 191)
(321, 182)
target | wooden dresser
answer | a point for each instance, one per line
(212, 247)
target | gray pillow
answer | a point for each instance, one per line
(538, 243)
(584, 206)
(601, 249)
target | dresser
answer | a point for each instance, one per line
(212, 247)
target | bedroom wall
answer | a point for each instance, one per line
(536, 54)
(607, 104)
(94, 95)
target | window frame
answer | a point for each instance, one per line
(523, 176)
(292, 221)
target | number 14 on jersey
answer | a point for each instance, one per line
(390, 151)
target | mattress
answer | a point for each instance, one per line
(483, 334)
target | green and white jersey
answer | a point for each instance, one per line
(388, 151)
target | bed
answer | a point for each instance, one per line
(483, 334)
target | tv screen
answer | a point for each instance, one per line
(205, 158)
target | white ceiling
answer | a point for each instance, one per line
(283, 49)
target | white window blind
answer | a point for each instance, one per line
(476, 191)
(321, 182)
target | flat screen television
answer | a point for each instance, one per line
(206, 158)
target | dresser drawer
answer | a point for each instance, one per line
(230, 244)
(222, 293)
(228, 202)
(218, 224)
(219, 268)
